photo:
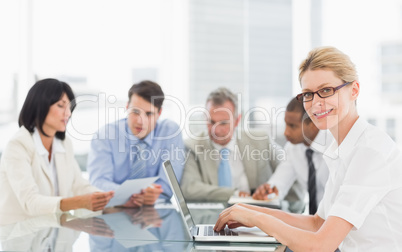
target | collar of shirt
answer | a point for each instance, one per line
(230, 146)
(134, 139)
(347, 145)
(56, 145)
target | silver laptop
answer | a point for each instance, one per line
(206, 232)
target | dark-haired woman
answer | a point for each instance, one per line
(38, 171)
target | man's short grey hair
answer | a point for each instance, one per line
(221, 95)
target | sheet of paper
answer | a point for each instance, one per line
(128, 188)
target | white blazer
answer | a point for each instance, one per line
(25, 183)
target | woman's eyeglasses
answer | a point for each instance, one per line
(323, 93)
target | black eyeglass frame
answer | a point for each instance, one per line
(300, 97)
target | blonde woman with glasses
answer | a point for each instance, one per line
(361, 207)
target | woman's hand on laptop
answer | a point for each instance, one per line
(236, 216)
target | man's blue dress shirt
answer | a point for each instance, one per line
(114, 147)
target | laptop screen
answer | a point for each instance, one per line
(178, 194)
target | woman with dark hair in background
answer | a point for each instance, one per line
(38, 171)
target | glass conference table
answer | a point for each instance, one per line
(151, 228)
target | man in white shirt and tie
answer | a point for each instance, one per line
(304, 162)
(226, 160)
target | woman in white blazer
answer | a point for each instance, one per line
(38, 171)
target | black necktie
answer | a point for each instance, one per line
(312, 189)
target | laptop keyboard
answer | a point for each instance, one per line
(209, 231)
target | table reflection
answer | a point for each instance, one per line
(42, 233)
(142, 229)
(115, 229)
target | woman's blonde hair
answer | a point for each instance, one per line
(329, 58)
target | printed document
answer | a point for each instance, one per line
(128, 188)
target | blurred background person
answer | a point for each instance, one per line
(219, 164)
(136, 146)
(304, 162)
(38, 171)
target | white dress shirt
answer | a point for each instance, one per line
(239, 177)
(57, 147)
(295, 166)
(365, 189)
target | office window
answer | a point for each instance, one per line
(242, 45)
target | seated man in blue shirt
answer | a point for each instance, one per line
(136, 146)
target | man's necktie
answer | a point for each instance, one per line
(224, 173)
(138, 165)
(312, 188)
